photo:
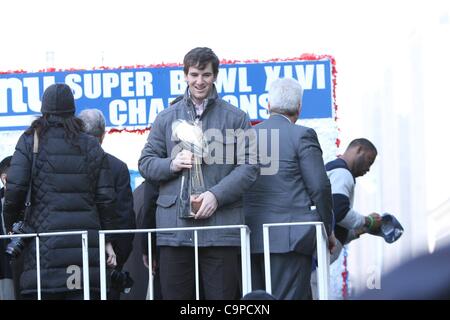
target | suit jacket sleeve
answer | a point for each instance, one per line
(126, 217)
(315, 177)
(147, 214)
(105, 194)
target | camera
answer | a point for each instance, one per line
(121, 280)
(16, 246)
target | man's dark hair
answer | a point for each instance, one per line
(199, 58)
(363, 143)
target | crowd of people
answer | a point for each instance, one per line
(270, 173)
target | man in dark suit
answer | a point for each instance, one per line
(292, 180)
(94, 124)
(144, 197)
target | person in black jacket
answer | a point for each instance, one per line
(6, 274)
(94, 124)
(71, 190)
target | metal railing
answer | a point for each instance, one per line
(323, 256)
(245, 255)
(84, 248)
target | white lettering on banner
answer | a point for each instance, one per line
(144, 86)
(126, 84)
(304, 74)
(320, 76)
(249, 104)
(305, 77)
(15, 86)
(110, 81)
(136, 111)
(92, 85)
(243, 86)
(72, 80)
(177, 82)
(288, 72)
(272, 73)
(264, 103)
(32, 85)
(226, 80)
(115, 107)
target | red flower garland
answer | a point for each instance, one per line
(345, 276)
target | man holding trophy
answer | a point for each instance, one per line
(202, 181)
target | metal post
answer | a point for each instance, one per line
(84, 247)
(38, 269)
(249, 262)
(102, 266)
(322, 255)
(245, 245)
(322, 274)
(267, 260)
(244, 261)
(197, 290)
(150, 264)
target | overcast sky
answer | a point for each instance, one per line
(87, 33)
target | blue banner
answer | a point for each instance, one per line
(131, 98)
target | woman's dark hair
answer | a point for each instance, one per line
(71, 124)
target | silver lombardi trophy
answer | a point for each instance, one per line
(191, 136)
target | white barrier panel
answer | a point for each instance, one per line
(84, 248)
(323, 255)
(245, 255)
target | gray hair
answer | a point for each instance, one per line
(94, 122)
(285, 96)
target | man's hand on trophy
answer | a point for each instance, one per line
(183, 160)
(208, 205)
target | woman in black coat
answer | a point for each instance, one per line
(71, 190)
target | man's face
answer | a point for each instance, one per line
(363, 161)
(200, 82)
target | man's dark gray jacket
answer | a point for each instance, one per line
(287, 196)
(227, 181)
